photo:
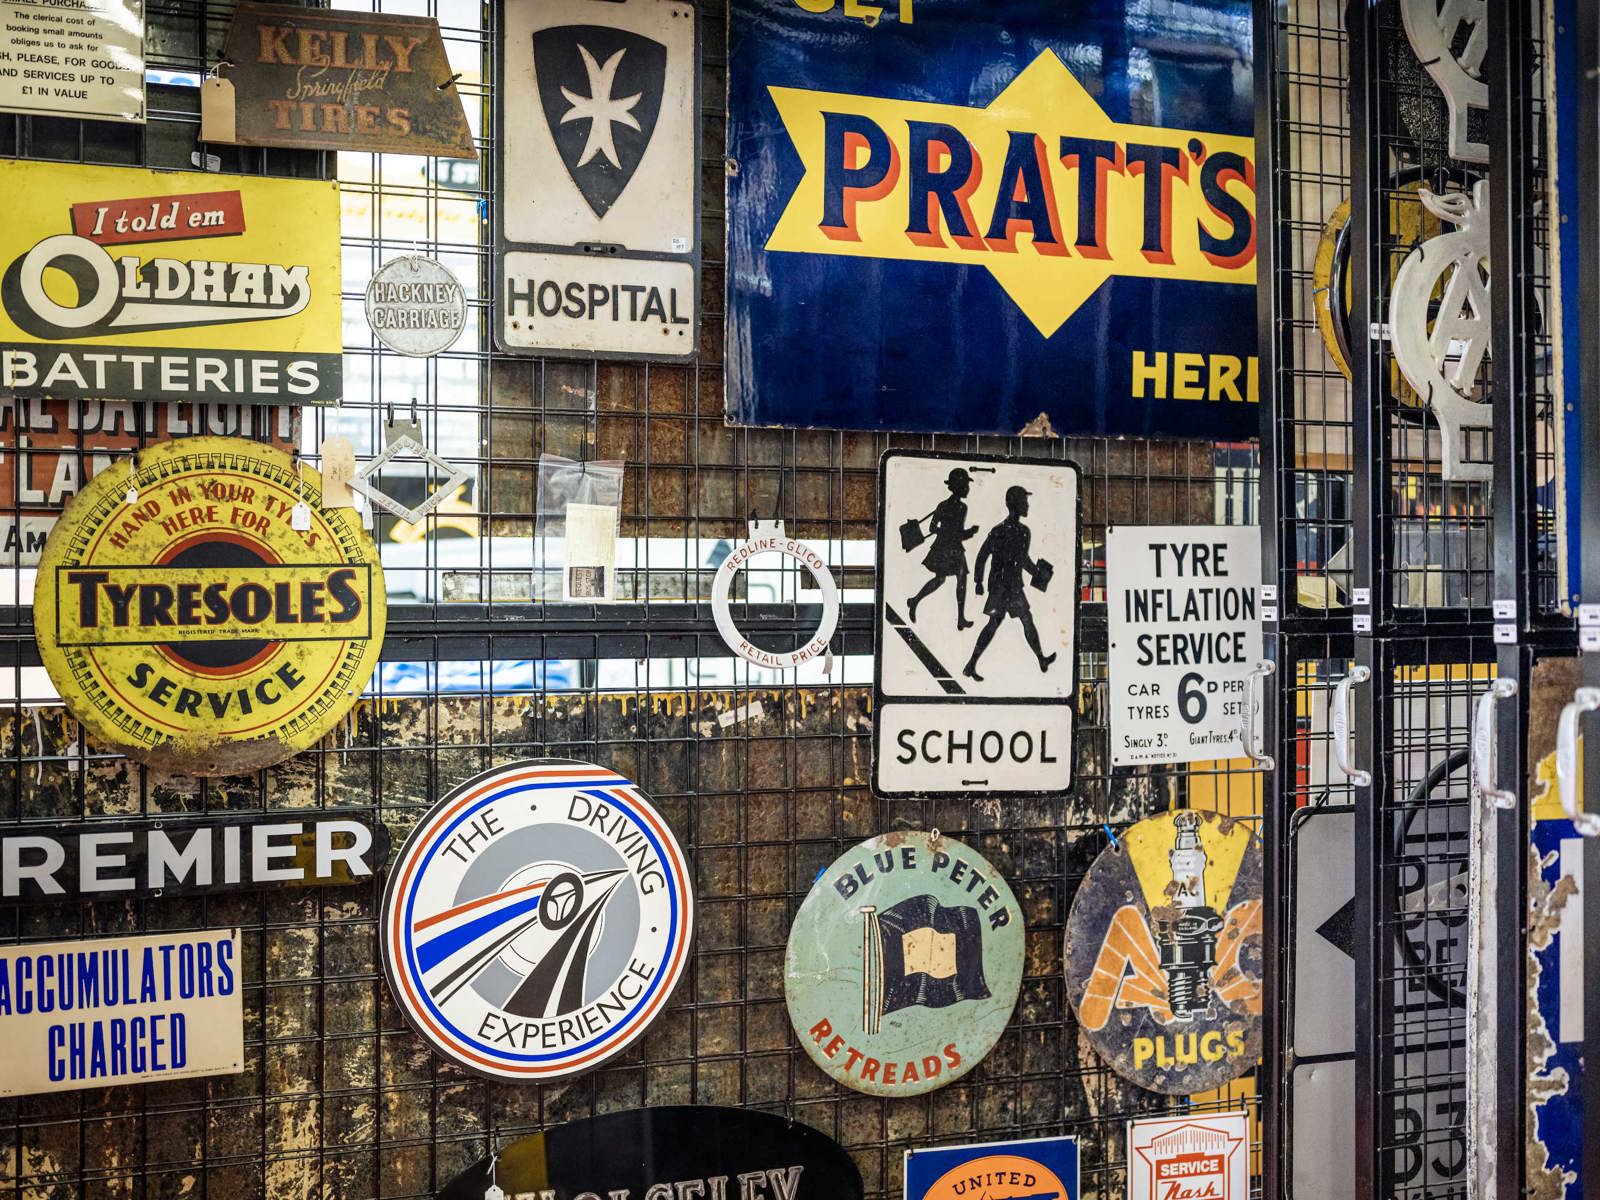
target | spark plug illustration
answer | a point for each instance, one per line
(1186, 930)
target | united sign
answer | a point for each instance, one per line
(1017, 210)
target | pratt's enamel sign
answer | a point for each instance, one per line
(126, 284)
(904, 964)
(537, 920)
(198, 608)
(1010, 209)
(1163, 952)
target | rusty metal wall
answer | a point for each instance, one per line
(339, 1099)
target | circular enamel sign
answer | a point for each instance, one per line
(1163, 953)
(187, 622)
(416, 306)
(904, 964)
(768, 537)
(537, 920)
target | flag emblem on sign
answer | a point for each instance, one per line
(601, 91)
(920, 953)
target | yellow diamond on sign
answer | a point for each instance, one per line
(1040, 187)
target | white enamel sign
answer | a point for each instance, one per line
(90, 1014)
(1184, 625)
(1205, 1156)
(83, 60)
(600, 169)
(977, 625)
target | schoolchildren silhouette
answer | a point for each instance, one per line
(947, 556)
(1005, 552)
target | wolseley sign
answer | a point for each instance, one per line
(331, 80)
(1009, 213)
(117, 283)
(199, 609)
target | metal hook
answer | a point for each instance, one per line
(449, 81)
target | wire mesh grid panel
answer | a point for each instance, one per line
(763, 776)
(1312, 326)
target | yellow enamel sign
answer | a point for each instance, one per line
(186, 621)
(1040, 187)
(129, 284)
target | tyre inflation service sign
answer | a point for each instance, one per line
(199, 610)
(537, 920)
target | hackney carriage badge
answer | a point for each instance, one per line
(537, 920)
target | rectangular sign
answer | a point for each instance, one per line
(1032, 1169)
(1201, 1157)
(951, 217)
(600, 179)
(50, 448)
(120, 1010)
(333, 80)
(1185, 632)
(276, 602)
(95, 860)
(189, 286)
(79, 59)
(976, 673)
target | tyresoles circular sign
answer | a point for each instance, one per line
(199, 610)
(537, 920)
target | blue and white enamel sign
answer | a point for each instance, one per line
(950, 217)
(537, 920)
(1035, 1169)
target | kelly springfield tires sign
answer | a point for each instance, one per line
(127, 284)
(1011, 208)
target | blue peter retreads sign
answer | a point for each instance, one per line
(947, 216)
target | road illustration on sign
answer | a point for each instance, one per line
(968, 700)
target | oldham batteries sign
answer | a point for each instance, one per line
(120, 1010)
(129, 284)
(955, 217)
(598, 157)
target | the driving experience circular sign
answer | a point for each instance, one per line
(189, 623)
(537, 920)
(904, 964)
(1164, 955)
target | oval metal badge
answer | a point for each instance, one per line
(416, 306)
(1163, 953)
(904, 964)
(673, 1152)
(199, 610)
(537, 920)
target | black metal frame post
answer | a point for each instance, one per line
(1277, 553)
(1589, 433)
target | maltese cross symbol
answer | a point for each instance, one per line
(600, 108)
(601, 89)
